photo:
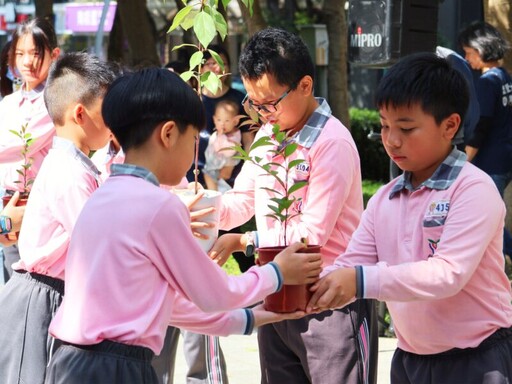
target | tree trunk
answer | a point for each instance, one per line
(499, 14)
(139, 30)
(337, 69)
(44, 9)
(256, 22)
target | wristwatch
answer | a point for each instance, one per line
(249, 247)
(5, 225)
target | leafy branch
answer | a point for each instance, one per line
(27, 140)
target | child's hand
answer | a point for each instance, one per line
(195, 217)
(225, 246)
(334, 290)
(298, 268)
(262, 316)
(6, 241)
(14, 212)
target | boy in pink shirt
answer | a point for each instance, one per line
(133, 266)
(73, 94)
(278, 74)
(430, 241)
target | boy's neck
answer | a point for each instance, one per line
(72, 133)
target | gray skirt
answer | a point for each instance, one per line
(28, 303)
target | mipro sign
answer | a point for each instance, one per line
(365, 40)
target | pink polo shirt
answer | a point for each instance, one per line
(435, 256)
(15, 110)
(133, 268)
(65, 181)
(331, 203)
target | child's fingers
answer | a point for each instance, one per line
(14, 200)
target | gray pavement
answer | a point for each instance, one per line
(241, 353)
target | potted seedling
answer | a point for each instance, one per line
(274, 156)
(26, 180)
(206, 22)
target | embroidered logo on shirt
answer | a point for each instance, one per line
(432, 244)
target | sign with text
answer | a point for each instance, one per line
(85, 17)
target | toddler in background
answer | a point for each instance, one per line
(226, 135)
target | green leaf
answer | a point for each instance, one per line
(225, 3)
(217, 59)
(289, 149)
(204, 28)
(295, 162)
(180, 17)
(262, 141)
(298, 185)
(211, 82)
(220, 24)
(187, 75)
(272, 190)
(195, 59)
(176, 47)
(189, 20)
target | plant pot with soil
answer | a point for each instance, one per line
(25, 181)
(280, 146)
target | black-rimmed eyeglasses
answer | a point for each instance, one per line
(267, 107)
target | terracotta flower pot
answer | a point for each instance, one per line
(21, 202)
(290, 298)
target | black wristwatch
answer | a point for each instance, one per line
(249, 247)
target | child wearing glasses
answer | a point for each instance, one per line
(226, 135)
(335, 346)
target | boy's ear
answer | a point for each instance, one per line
(451, 125)
(55, 53)
(169, 133)
(306, 85)
(79, 114)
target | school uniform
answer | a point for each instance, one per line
(16, 109)
(433, 253)
(338, 346)
(29, 300)
(133, 268)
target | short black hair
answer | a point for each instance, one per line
(75, 77)
(138, 102)
(486, 39)
(427, 80)
(278, 53)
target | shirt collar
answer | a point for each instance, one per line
(133, 170)
(441, 179)
(307, 136)
(33, 93)
(67, 145)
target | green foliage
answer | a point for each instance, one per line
(206, 22)
(374, 160)
(369, 189)
(27, 140)
(279, 146)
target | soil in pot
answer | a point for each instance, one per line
(290, 298)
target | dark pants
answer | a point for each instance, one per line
(204, 357)
(28, 303)
(333, 347)
(11, 256)
(105, 363)
(489, 363)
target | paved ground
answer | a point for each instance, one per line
(242, 359)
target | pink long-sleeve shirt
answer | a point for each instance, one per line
(435, 256)
(65, 181)
(331, 203)
(133, 268)
(15, 110)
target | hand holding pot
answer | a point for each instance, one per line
(196, 217)
(334, 290)
(14, 212)
(262, 317)
(298, 268)
(225, 246)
